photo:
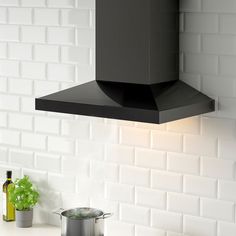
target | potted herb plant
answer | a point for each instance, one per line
(24, 196)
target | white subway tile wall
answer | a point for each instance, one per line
(164, 180)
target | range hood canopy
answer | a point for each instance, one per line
(137, 67)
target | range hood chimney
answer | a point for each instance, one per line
(137, 67)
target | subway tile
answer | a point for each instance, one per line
(9, 102)
(166, 181)
(227, 65)
(61, 3)
(219, 44)
(28, 105)
(9, 33)
(142, 230)
(80, 55)
(216, 168)
(134, 214)
(218, 210)
(61, 145)
(3, 119)
(119, 192)
(182, 163)
(227, 148)
(90, 187)
(150, 198)
(60, 72)
(189, 125)
(86, 37)
(76, 128)
(46, 16)
(3, 84)
(85, 73)
(33, 70)
(200, 186)
(223, 86)
(227, 23)
(22, 158)
(71, 200)
(64, 36)
(46, 53)
(201, 64)
(20, 86)
(48, 162)
(150, 158)
(119, 154)
(201, 23)
(3, 15)
(33, 3)
(226, 107)
(135, 136)
(87, 4)
(9, 3)
(183, 203)
(104, 133)
(218, 127)
(9, 68)
(62, 183)
(190, 5)
(227, 190)
(190, 42)
(200, 145)
(90, 150)
(47, 125)
(43, 88)
(92, 22)
(135, 176)
(20, 121)
(75, 165)
(3, 155)
(20, 51)
(78, 17)
(117, 228)
(226, 228)
(9, 137)
(173, 234)
(166, 220)
(167, 141)
(33, 141)
(20, 16)
(219, 6)
(33, 34)
(104, 171)
(199, 226)
(3, 50)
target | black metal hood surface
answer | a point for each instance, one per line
(137, 67)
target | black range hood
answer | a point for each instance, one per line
(137, 67)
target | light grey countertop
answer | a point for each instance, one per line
(9, 229)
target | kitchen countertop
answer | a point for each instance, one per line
(9, 229)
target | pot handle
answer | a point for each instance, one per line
(59, 211)
(104, 216)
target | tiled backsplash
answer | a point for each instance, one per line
(164, 180)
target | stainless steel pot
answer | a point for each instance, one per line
(82, 221)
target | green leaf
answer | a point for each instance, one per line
(22, 194)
